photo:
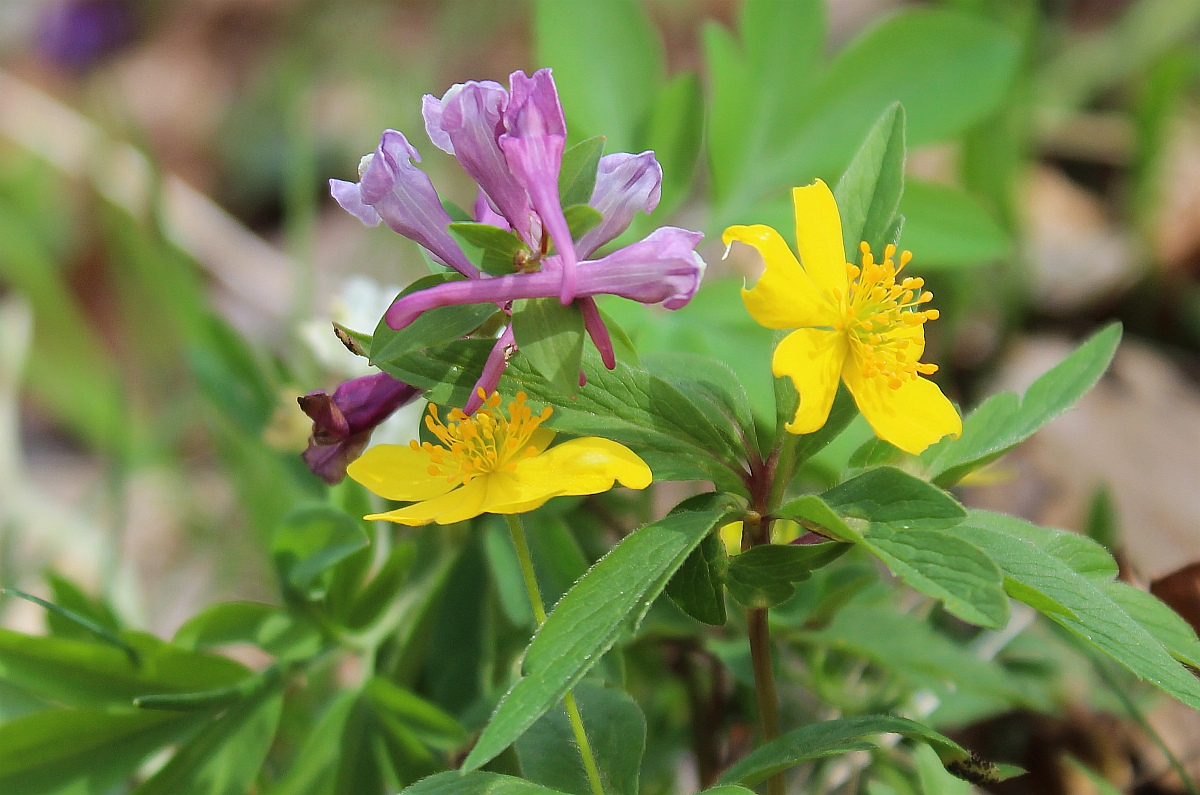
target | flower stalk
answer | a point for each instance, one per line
(539, 613)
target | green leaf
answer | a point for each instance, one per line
(1159, 619)
(433, 726)
(674, 133)
(946, 228)
(708, 383)
(477, 782)
(614, 594)
(868, 193)
(616, 731)
(582, 218)
(910, 647)
(272, 629)
(551, 336)
(758, 87)
(949, 69)
(81, 750)
(315, 765)
(841, 414)
(224, 758)
(675, 437)
(432, 328)
(499, 247)
(312, 539)
(934, 778)
(1005, 420)
(698, 587)
(763, 576)
(372, 602)
(70, 596)
(608, 63)
(577, 176)
(886, 495)
(78, 621)
(90, 674)
(1093, 614)
(901, 520)
(828, 738)
(356, 342)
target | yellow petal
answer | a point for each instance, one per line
(579, 466)
(819, 238)
(912, 417)
(398, 472)
(455, 506)
(813, 359)
(784, 296)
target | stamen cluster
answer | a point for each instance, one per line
(882, 317)
(484, 442)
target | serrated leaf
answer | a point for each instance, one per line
(763, 576)
(616, 731)
(698, 588)
(551, 336)
(434, 327)
(311, 540)
(828, 738)
(1094, 616)
(581, 219)
(615, 593)
(868, 193)
(577, 177)
(498, 247)
(629, 405)
(1003, 421)
(707, 382)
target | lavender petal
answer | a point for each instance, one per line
(625, 183)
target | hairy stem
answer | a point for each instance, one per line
(539, 612)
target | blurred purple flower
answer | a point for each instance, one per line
(77, 33)
(343, 422)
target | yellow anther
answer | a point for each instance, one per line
(485, 442)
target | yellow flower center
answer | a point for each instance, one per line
(483, 443)
(882, 317)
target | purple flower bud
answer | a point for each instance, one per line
(493, 368)
(391, 189)
(625, 183)
(77, 33)
(343, 422)
(535, 134)
(663, 268)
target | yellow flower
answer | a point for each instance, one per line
(489, 463)
(858, 325)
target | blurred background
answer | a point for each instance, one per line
(171, 261)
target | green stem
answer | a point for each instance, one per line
(1135, 712)
(754, 532)
(539, 612)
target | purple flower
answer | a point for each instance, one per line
(343, 422)
(511, 143)
(391, 189)
(664, 268)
